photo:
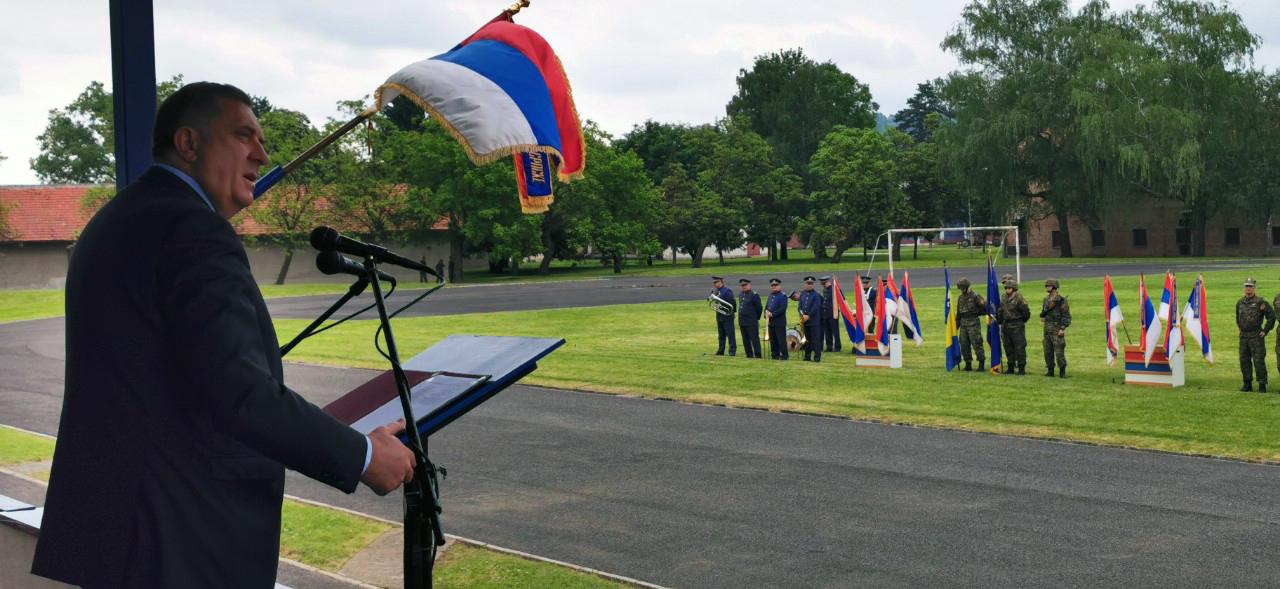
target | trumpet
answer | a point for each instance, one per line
(719, 305)
(767, 317)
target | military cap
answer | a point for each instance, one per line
(825, 279)
(963, 283)
(808, 279)
(774, 281)
(744, 281)
(1051, 282)
(720, 278)
(1011, 283)
(1250, 282)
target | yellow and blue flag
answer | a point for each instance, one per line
(952, 333)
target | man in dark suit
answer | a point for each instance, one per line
(775, 313)
(176, 426)
(811, 319)
(749, 311)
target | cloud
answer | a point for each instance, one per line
(669, 60)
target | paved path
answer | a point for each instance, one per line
(692, 496)
(653, 289)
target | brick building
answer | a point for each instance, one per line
(1153, 227)
(45, 220)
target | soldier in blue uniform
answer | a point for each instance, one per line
(749, 311)
(811, 319)
(830, 324)
(775, 312)
(724, 317)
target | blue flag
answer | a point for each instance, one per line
(993, 304)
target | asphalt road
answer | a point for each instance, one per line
(625, 290)
(692, 496)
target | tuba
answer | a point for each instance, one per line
(719, 305)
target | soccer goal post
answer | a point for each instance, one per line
(1017, 241)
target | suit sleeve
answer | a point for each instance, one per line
(209, 302)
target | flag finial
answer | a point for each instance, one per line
(515, 8)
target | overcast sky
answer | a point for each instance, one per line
(668, 60)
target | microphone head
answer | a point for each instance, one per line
(324, 238)
(330, 262)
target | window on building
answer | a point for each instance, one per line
(1275, 236)
(1231, 237)
(1139, 238)
(1098, 238)
(1056, 236)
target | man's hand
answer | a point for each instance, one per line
(392, 462)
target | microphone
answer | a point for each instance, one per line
(332, 262)
(327, 239)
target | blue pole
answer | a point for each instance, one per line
(133, 85)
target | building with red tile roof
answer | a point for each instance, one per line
(42, 222)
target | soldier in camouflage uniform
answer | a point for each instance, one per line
(1056, 315)
(1251, 310)
(1012, 317)
(969, 307)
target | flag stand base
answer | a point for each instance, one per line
(1163, 371)
(874, 358)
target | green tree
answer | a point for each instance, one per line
(912, 120)
(612, 210)
(291, 208)
(793, 102)
(78, 144)
(1015, 134)
(933, 195)
(859, 192)
(1169, 102)
(692, 215)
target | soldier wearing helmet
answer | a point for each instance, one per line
(1012, 317)
(1056, 315)
(969, 307)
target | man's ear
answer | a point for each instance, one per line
(186, 143)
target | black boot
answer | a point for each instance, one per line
(1049, 372)
(1262, 387)
(968, 367)
(1012, 369)
(980, 365)
(1062, 372)
(1248, 386)
(1022, 369)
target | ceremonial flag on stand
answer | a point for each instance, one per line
(1113, 317)
(501, 92)
(1197, 319)
(1149, 322)
(1165, 302)
(907, 310)
(993, 304)
(891, 299)
(882, 317)
(952, 333)
(1172, 328)
(852, 325)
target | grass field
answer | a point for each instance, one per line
(17, 447)
(327, 538)
(469, 567)
(665, 350)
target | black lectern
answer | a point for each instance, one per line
(444, 382)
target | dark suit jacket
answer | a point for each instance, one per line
(176, 426)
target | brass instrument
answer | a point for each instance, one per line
(719, 305)
(795, 339)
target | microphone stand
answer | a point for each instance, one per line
(356, 288)
(421, 495)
